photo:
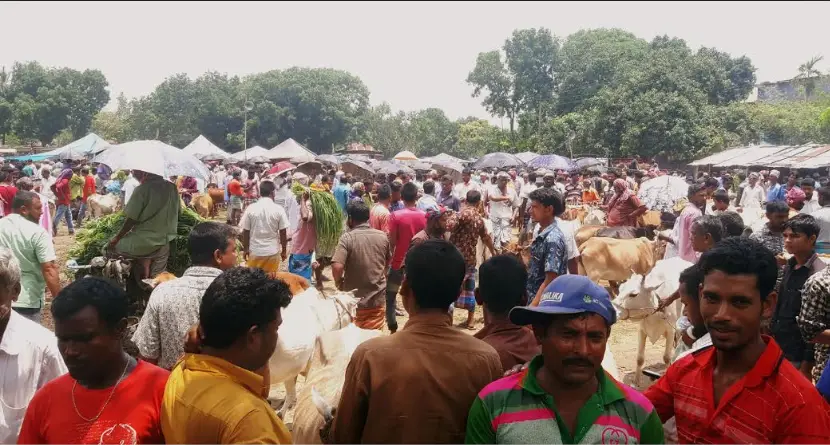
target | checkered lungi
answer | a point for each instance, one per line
(467, 299)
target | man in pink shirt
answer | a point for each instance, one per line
(403, 225)
(697, 200)
(379, 216)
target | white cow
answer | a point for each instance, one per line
(639, 297)
(100, 205)
(326, 378)
(310, 314)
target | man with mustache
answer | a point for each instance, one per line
(742, 390)
(564, 395)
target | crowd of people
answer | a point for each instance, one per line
(749, 367)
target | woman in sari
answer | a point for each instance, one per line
(624, 207)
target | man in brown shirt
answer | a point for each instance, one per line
(359, 264)
(417, 386)
(502, 282)
(468, 228)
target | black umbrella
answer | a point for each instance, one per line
(328, 159)
(588, 162)
(389, 168)
(498, 160)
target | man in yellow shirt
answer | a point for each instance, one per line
(216, 396)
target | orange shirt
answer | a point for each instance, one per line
(589, 195)
(235, 188)
(132, 416)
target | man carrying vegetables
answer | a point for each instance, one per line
(152, 217)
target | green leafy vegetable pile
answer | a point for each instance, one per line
(328, 218)
(91, 240)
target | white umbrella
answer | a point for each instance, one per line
(406, 156)
(663, 192)
(154, 157)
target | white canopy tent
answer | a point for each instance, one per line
(250, 153)
(293, 151)
(202, 146)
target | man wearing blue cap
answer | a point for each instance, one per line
(564, 396)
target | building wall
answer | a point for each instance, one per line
(793, 89)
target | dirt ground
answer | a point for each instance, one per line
(623, 341)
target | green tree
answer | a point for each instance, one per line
(532, 57)
(432, 132)
(318, 107)
(477, 137)
(594, 59)
(490, 75)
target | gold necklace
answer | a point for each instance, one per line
(75, 405)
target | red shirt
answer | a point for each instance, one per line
(62, 192)
(89, 187)
(235, 188)
(7, 193)
(404, 224)
(132, 416)
(772, 403)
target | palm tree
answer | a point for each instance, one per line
(808, 72)
(808, 68)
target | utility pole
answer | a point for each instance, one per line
(248, 107)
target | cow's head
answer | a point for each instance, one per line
(635, 299)
(347, 306)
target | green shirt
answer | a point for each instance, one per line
(154, 205)
(516, 409)
(32, 246)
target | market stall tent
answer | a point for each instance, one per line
(202, 146)
(291, 150)
(87, 146)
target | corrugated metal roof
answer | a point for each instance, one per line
(749, 155)
(819, 156)
(721, 156)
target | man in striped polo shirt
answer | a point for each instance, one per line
(564, 396)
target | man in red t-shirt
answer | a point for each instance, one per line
(63, 201)
(7, 192)
(89, 190)
(108, 397)
(403, 225)
(742, 389)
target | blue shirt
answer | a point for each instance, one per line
(548, 253)
(341, 195)
(823, 384)
(395, 206)
(776, 193)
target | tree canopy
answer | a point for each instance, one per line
(597, 91)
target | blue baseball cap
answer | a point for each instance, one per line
(568, 294)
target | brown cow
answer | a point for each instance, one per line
(614, 260)
(622, 232)
(203, 204)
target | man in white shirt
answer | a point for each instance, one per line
(808, 185)
(753, 195)
(502, 202)
(129, 187)
(29, 357)
(466, 184)
(285, 198)
(261, 223)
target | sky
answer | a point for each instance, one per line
(412, 55)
